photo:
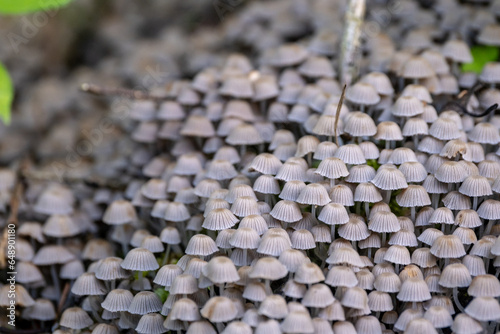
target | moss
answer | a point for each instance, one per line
(162, 294)
(373, 163)
(395, 208)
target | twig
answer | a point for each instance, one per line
(351, 39)
(21, 331)
(17, 195)
(123, 92)
(64, 296)
(337, 115)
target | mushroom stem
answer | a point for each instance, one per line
(245, 253)
(309, 159)
(220, 327)
(474, 203)
(221, 289)
(243, 151)
(415, 141)
(332, 229)
(123, 243)
(457, 302)
(313, 210)
(435, 201)
(267, 199)
(167, 254)
(388, 194)
(491, 222)
(55, 280)
(267, 284)
(367, 209)
(412, 213)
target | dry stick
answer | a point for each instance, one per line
(14, 210)
(351, 39)
(64, 296)
(337, 115)
(123, 92)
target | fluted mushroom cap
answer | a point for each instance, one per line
(414, 290)
(287, 211)
(413, 196)
(489, 209)
(29, 273)
(362, 93)
(341, 276)
(140, 259)
(354, 230)
(119, 212)
(420, 325)
(384, 222)
(332, 168)
(407, 106)
(484, 286)
(360, 125)
(388, 130)
(292, 259)
(219, 309)
(145, 302)
(308, 273)
(42, 309)
(416, 67)
(219, 219)
(387, 282)
(117, 300)
(455, 275)
(355, 297)
(447, 246)
(201, 245)
(266, 163)
(318, 295)
(75, 318)
(297, 322)
(464, 324)
(87, 284)
(273, 245)
(151, 323)
(268, 268)
(344, 255)
(183, 284)
(221, 269)
(389, 179)
(313, 194)
(350, 154)
(273, 306)
(185, 309)
(484, 309)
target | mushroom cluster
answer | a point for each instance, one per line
(258, 202)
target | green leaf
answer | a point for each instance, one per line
(162, 293)
(481, 55)
(6, 95)
(27, 6)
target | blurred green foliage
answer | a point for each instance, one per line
(162, 293)
(481, 55)
(28, 6)
(6, 94)
(10, 7)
